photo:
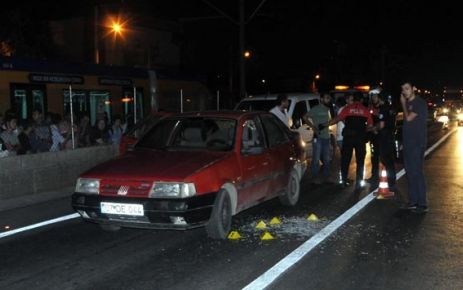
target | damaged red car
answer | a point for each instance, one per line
(195, 169)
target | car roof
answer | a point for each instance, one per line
(301, 96)
(219, 114)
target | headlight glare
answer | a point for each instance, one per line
(88, 185)
(172, 190)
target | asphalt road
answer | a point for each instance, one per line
(380, 248)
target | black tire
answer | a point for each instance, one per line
(291, 195)
(110, 228)
(219, 224)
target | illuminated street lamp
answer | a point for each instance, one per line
(117, 27)
(247, 54)
(317, 77)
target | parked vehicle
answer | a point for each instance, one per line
(299, 105)
(195, 169)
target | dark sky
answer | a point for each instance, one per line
(344, 41)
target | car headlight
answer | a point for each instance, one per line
(445, 110)
(88, 185)
(172, 190)
(460, 117)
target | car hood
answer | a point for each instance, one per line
(156, 165)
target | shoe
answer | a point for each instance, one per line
(420, 209)
(409, 206)
(344, 184)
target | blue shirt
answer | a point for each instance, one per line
(415, 131)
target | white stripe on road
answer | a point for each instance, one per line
(295, 256)
(38, 225)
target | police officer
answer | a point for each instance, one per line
(385, 139)
(373, 137)
(358, 121)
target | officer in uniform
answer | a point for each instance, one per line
(358, 121)
(385, 136)
(373, 137)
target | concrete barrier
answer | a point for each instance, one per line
(35, 173)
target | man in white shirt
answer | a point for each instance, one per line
(280, 110)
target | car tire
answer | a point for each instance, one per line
(219, 224)
(292, 191)
(109, 228)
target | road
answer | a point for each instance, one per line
(379, 248)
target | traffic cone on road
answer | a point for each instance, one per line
(383, 191)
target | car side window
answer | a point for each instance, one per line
(275, 133)
(252, 136)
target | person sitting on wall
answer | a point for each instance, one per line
(100, 134)
(10, 135)
(23, 138)
(83, 131)
(40, 137)
(57, 138)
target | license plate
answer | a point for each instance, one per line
(122, 208)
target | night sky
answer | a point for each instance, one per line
(344, 41)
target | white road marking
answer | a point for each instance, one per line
(295, 256)
(38, 225)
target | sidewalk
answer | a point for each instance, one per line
(27, 200)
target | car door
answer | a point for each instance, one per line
(281, 152)
(256, 164)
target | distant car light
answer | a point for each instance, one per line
(445, 110)
(88, 185)
(460, 117)
(443, 119)
(172, 190)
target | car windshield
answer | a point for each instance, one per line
(258, 105)
(142, 127)
(196, 133)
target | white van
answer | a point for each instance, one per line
(299, 104)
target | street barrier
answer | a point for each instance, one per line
(35, 173)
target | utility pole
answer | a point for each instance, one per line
(242, 44)
(242, 39)
(95, 35)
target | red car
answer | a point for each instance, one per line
(195, 169)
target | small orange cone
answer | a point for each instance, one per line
(383, 191)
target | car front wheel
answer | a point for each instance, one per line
(291, 194)
(219, 223)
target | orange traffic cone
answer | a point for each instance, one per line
(383, 191)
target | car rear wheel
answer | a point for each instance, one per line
(291, 195)
(219, 223)
(110, 228)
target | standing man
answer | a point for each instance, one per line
(385, 137)
(358, 120)
(374, 138)
(281, 109)
(414, 145)
(318, 115)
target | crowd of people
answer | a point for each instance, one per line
(51, 132)
(368, 120)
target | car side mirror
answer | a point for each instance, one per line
(252, 150)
